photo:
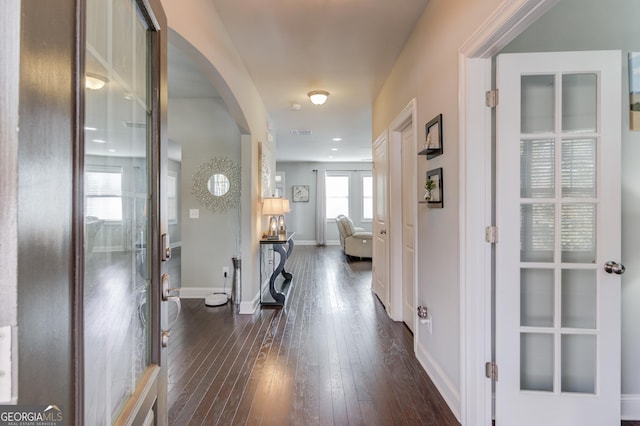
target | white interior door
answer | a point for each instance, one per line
(557, 309)
(380, 216)
(408, 224)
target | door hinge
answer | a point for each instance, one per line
(491, 370)
(491, 234)
(491, 98)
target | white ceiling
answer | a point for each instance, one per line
(346, 47)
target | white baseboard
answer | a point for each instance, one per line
(333, 242)
(630, 406)
(445, 386)
(250, 307)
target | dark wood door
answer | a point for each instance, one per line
(90, 210)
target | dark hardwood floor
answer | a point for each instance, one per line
(330, 357)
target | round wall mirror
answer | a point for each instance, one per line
(218, 184)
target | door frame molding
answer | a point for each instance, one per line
(408, 116)
(476, 197)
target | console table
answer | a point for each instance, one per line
(277, 291)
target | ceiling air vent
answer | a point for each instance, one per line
(301, 132)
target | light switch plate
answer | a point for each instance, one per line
(194, 213)
(5, 364)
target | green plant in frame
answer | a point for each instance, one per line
(429, 185)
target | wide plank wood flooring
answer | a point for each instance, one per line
(330, 357)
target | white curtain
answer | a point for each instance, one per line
(321, 208)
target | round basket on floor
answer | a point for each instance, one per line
(216, 299)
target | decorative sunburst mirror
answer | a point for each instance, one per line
(216, 184)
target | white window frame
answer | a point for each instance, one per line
(363, 198)
(172, 187)
(108, 169)
(338, 174)
(280, 184)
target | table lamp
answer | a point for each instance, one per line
(286, 208)
(272, 207)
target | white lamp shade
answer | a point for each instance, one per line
(286, 207)
(272, 207)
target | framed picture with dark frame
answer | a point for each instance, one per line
(433, 138)
(433, 189)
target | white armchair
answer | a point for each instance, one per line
(355, 241)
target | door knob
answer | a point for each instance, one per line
(383, 232)
(612, 267)
(423, 312)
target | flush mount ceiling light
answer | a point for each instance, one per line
(318, 97)
(94, 81)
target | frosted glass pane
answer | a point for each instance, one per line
(579, 103)
(536, 362)
(579, 168)
(537, 231)
(578, 233)
(537, 103)
(578, 298)
(536, 297)
(578, 363)
(537, 171)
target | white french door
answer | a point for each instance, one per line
(558, 214)
(380, 273)
(408, 225)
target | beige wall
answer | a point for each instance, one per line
(197, 23)
(427, 69)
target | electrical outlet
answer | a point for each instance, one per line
(194, 213)
(225, 271)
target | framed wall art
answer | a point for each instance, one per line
(433, 138)
(433, 188)
(300, 193)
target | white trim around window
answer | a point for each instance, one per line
(366, 201)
